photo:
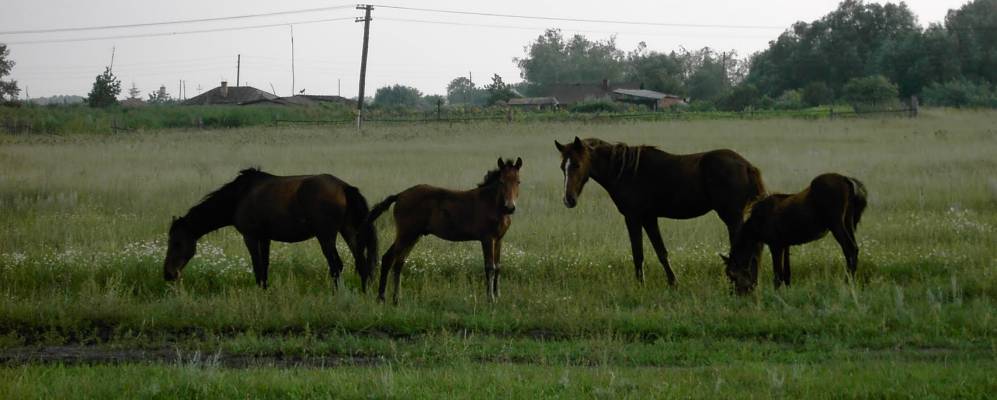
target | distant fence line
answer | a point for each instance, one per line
(522, 117)
(11, 123)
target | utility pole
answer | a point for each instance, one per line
(292, 61)
(363, 59)
(238, 68)
(111, 67)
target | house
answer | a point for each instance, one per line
(133, 103)
(225, 95)
(567, 94)
(654, 100)
(534, 103)
(306, 100)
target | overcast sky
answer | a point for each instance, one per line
(425, 54)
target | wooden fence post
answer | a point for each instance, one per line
(914, 107)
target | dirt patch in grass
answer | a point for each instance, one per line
(86, 355)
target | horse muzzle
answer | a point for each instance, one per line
(570, 202)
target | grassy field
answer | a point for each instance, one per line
(84, 311)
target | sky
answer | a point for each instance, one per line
(414, 48)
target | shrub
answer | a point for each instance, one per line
(960, 93)
(595, 106)
(817, 94)
(742, 97)
(789, 100)
(872, 92)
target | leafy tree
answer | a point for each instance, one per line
(552, 59)
(8, 89)
(960, 93)
(133, 92)
(817, 93)
(397, 96)
(742, 97)
(872, 91)
(429, 102)
(462, 91)
(789, 100)
(709, 80)
(657, 71)
(160, 96)
(106, 89)
(498, 90)
(844, 44)
(973, 28)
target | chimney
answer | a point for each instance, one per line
(605, 84)
(224, 88)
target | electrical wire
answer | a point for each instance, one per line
(563, 19)
(143, 35)
(93, 28)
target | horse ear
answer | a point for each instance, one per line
(560, 147)
(519, 163)
(578, 142)
(501, 164)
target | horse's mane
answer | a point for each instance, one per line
(492, 176)
(230, 192)
(622, 157)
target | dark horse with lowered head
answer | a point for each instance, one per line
(265, 207)
(481, 214)
(646, 183)
(832, 202)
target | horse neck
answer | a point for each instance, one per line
(489, 194)
(209, 215)
(604, 169)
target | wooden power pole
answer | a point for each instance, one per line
(238, 68)
(363, 59)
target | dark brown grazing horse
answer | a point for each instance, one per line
(833, 203)
(481, 214)
(265, 207)
(646, 183)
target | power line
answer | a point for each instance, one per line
(143, 35)
(529, 28)
(188, 21)
(601, 21)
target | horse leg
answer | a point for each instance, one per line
(488, 250)
(777, 267)
(654, 235)
(637, 247)
(846, 239)
(733, 221)
(328, 244)
(386, 263)
(785, 266)
(498, 266)
(404, 248)
(358, 258)
(255, 254)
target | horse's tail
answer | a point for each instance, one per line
(756, 186)
(858, 200)
(357, 213)
(380, 208)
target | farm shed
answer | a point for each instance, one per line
(305, 100)
(655, 100)
(568, 94)
(534, 103)
(229, 95)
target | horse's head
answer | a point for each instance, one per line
(509, 183)
(576, 162)
(180, 249)
(742, 266)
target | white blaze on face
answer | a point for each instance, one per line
(567, 167)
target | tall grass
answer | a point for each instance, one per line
(84, 222)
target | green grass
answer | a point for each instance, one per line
(84, 221)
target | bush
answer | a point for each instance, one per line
(789, 100)
(817, 94)
(872, 92)
(742, 97)
(960, 93)
(595, 106)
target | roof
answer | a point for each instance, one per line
(533, 101)
(568, 93)
(299, 100)
(236, 95)
(130, 102)
(644, 94)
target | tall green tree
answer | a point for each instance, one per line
(498, 90)
(8, 89)
(461, 90)
(398, 96)
(106, 89)
(973, 28)
(552, 59)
